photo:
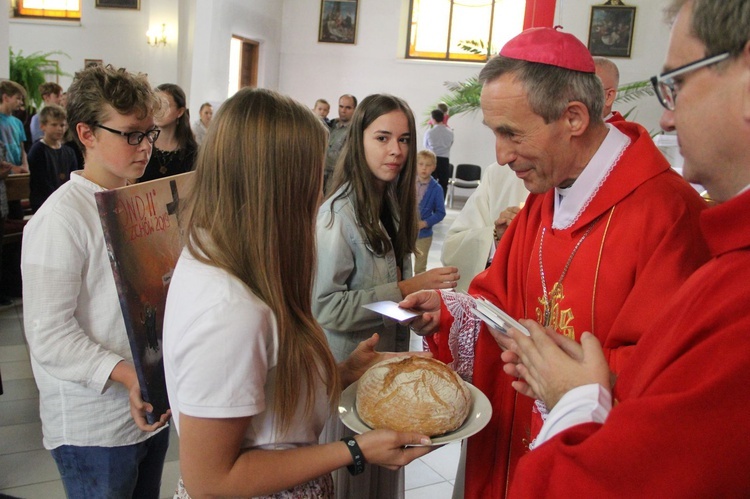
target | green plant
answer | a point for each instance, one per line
(478, 47)
(629, 92)
(32, 70)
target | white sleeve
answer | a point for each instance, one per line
(222, 359)
(584, 404)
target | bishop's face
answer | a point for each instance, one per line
(536, 151)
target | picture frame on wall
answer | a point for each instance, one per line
(92, 62)
(338, 21)
(118, 4)
(611, 30)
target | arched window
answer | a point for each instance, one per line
(440, 29)
(54, 9)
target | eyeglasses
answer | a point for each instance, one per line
(664, 84)
(134, 138)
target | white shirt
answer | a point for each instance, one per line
(439, 140)
(220, 353)
(74, 324)
(584, 404)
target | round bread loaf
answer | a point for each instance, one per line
(413, 394)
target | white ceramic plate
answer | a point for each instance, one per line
(479, 415)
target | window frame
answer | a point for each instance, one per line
(538, 13)
(22, 12)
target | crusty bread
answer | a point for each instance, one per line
(413, 394)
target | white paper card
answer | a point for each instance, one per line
(392, 310)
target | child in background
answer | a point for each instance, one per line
(431, 207)
(442, 106)
(93, 417)
(321, 110)
(50, 163)
(175, 148)
(51, 94)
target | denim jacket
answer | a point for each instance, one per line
(349, 275)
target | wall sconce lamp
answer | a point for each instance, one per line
(156, 37)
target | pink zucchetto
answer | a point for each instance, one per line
(550, 46)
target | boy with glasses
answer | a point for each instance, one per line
(93, 417)
(679, 428)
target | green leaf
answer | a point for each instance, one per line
(31, 71)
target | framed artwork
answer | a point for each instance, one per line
(611, 30)
(92, 62)
(338, 21)
(118, 4)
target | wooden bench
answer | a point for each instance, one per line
(18, 189)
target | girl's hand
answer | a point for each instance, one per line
(439, 278)
(365, 356)
(389, 449)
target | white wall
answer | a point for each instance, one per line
(215, 23)
(292, 60)
(4, 42)
(310, 70)
(117, 36)
(650, 39)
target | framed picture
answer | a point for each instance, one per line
(611, 30)
(92, 62)
(338, 21)
(118, 4)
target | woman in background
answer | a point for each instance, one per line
(366, 232)
(200, 126)
(250, 377)
(175, 148)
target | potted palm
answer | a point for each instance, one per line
(32, 70)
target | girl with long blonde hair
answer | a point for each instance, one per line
(249, 374)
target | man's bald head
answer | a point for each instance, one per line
(607, 71)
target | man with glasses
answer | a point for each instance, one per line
(607, 232)
(678, 423)
(93, 417)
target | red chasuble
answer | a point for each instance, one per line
(680, 428)
(642, 242)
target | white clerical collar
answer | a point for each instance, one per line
(571, 201)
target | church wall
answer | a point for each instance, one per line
(310, 70)
(294, 62)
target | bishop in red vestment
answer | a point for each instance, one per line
(604, 265)
(678, 427)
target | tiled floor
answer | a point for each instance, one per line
(28, 471)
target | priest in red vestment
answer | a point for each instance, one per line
(679, 427)
(608, 232)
